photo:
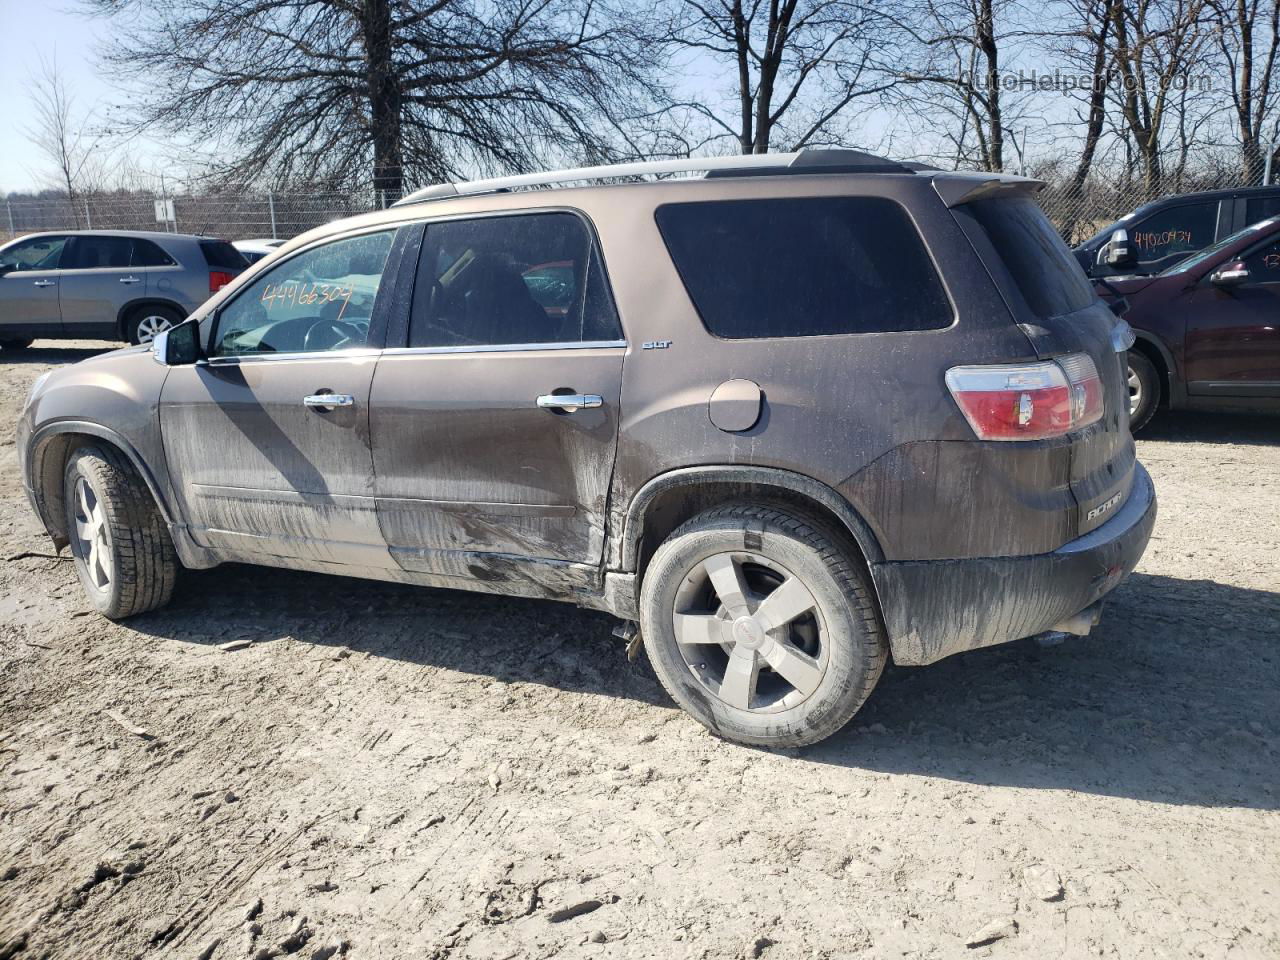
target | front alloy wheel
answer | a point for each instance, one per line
(1144, 389)
(121, 546)
(93, 536)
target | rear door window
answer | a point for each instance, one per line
(807, 267)
(148, 254)
(523, 279)
(96, 253)
(1175, 230)
(1045, 271)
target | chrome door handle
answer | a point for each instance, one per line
(45, 283)
(328, 401)
(130, 280)
(569, 402)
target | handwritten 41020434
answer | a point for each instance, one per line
(306, 295)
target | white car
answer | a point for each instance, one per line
(255, 250)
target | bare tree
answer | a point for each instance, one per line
(62, 133)
(1154, 46)
(794, 66)
(1248, 36)
(1089, 50)
(380, 91)
(955, 71)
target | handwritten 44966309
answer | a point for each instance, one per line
(306, 294)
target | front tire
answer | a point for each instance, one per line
(1144, 390)
(122, 550)
(761, 626)
(145, 322)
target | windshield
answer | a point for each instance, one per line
(1182, 266)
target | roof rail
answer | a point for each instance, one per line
(747, 165)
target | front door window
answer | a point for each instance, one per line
(36, 253)
(320, 300)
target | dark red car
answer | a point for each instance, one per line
(1208, 328)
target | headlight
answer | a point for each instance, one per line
(35, 388)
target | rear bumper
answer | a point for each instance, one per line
(934, 608)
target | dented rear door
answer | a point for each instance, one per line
(477, 476)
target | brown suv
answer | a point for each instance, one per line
(793, 416)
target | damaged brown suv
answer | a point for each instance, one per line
(794, 414)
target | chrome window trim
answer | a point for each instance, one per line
(352, 354)
(508, 347)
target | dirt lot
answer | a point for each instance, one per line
(400, 772)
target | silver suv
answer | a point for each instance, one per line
(107, 284)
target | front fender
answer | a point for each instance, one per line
(113, 397)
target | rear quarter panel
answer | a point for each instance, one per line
(833, 406)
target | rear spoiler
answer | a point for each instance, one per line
(958, 188)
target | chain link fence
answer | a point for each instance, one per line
(1078, 212)
(229, 217)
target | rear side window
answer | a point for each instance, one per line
(531, 278)
(808, 267)
(1260, 208)
(222, 255)
(148, 254)
(91, 253)
(1048, 275)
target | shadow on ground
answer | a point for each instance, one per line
(1175, 698)
(1181, 427)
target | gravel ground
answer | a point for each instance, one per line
(389, 771)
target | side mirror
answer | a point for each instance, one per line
(7, 268)
(1232, 275)
(1119, 251)
(178, 345)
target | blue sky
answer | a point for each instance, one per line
(34, 29)
(30, 29)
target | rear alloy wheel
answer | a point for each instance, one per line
(760, 625)
(149, 321)
(1144, 390)
(15, 345)
(122, 550)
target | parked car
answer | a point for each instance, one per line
(107, 284)
(794, 416)
(1208, 328)
(255, 250)
(1159, 234)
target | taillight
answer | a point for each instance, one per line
(1028, 401)
(219, 279)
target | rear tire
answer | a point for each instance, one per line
(761, 625)
(145, 322)
(13, 346)
(1144, 390)
(121, 546)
